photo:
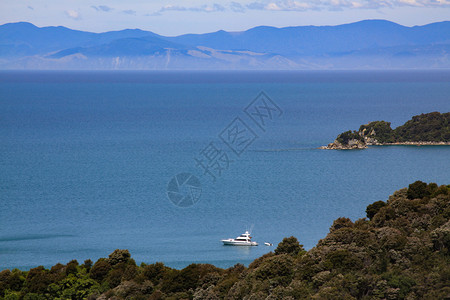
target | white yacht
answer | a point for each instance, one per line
(243, 240)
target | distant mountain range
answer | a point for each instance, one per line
(370, 44)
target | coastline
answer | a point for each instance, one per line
(430, 129)
(359, 146)
(413, 144)
(386, 248)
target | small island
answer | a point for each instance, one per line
(425, 129)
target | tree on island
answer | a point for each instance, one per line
(425, 128)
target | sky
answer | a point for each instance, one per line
(175, 17)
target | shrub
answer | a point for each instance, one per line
(9, 295)
(372, 209)
(88, 265)
(119, 256)
(187, 278)
(154, 272)
(114, 277)
(278, 270)
(382, 129)
(441, 237)
(345, 137)
(341, 223)
(442, 190)
(289, 246)
(100, 269)
(344, 260)
(391, 238)
(37, 280)
(401, 282)
(417, 190)
(33, 296)
(71, 267)
(434, 127)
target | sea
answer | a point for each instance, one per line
(168, 163)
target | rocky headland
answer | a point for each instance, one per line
(422, 130)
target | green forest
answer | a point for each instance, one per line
(431, 127)
(401, 250)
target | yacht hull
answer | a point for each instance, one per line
(238, 243)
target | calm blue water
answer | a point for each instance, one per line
(85, 159)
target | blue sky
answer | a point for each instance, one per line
(173, 17)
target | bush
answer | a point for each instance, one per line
(372, 209)
(401, 282)
(278, 270)
(100, 269)
(37, 280)
(187, 278)
(11, 281)
(9, 295)
(417, 190)
(289, 246)
(441, 237)
(343, 260)
(33, 296)
(341, 223)
(154, 272)
(88, 265)
(71, 267)
(119, 256)
(114, 277)
(382, 129)
(433, 127)
(344, 137)
(442, 190)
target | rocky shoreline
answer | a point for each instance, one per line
(432, 129)
(351, 145)
(360, 145)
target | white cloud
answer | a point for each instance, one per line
(282, 5)
(255, 5)
(202, 8)
(129, 12)
(102, 8)
(424, 3)
(73, 14)
(214, 7)
(237, 7)
(332, 5)
(272, 6)
(300, 5)
(173, 7)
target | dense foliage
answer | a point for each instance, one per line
(345, 137)
(380, 129)
(401, 252)
(431, 127)
(434, 127)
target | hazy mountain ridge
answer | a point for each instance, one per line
(370, 44)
